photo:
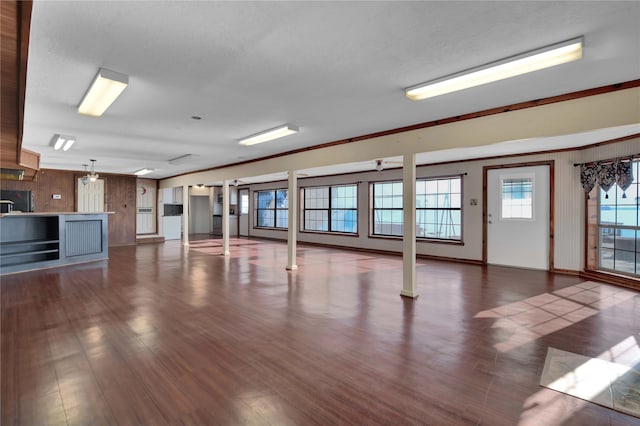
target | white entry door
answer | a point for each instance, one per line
(145, 206)
(243, 210)
(518, 217)
(90, 196)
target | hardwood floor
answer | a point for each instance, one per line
(160, 334)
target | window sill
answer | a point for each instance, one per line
(418, 240)
(264, 228)
(340, 234)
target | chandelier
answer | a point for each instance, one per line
(91, 176)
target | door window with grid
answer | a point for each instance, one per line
(517, 198)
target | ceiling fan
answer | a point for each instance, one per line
(380, 164)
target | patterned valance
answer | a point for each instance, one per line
(607, 174)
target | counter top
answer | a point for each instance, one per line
(34, 214)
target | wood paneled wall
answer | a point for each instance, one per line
(120, 198)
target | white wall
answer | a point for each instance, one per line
(574, 116)
(569, 205)
(569, 117)
(198, 215)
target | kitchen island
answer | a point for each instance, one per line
(44, 240)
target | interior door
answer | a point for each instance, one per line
(145, 207)
(518, 216)
(90, 196)
(243, 208)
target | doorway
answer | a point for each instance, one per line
(243, 213)
(518, 215)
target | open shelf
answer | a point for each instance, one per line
(29, 240)
(35, 241)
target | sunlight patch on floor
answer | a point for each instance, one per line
(529, 319)
(612, 385)
(571, 381)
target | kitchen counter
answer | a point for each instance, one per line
(34, 214)
(44, 240)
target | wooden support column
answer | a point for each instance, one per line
(292, 197)
(185, 215)
(225, 218)
(409, 226)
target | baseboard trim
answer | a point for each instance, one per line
(611, 278)
(566, 272)
(375, 251)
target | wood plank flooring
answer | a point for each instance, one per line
(160, 334)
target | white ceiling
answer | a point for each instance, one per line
(335, 69)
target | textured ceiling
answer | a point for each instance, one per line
(335, 69)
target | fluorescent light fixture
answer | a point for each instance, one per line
(183, 159)
(106, 87)
(68, 144)
(267, 135)
(142, 172)
(62, 142)
(545, 57)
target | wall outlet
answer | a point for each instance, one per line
(57, 196)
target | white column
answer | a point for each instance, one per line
(211, 201)
(185, 215)
(409, 226)
(292, 196)
(225, 218)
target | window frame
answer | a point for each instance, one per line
(460, 209)
(419, 239)
(618, 229)
(372, 210)
(274, 209)
(329, 210)
(521, 176)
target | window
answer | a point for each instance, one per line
(271, 209)
(244, 203)
(438, 208)
(387, 208)
(618, 230)
(331, 209)
(517, 198)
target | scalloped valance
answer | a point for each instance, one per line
(607, 173)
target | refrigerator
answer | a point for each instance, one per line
(23, 201)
